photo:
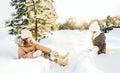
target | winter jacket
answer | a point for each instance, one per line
(99, 41)
(27, 50)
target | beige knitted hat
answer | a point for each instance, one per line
(94, 26)
(25, 34)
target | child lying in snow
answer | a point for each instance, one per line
(27, 46)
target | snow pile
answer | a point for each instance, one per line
(38, 65)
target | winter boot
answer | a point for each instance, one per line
(55, 57)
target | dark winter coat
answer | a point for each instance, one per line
(99, 41)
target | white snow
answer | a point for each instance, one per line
(74, 41)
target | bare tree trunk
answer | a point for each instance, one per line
(35, 20)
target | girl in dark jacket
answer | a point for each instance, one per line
(98, 37)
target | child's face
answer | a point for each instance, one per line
(94, 32)
(28, 40)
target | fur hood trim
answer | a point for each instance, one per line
(94, 27)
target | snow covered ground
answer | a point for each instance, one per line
(73, 41)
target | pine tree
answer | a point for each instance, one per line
(38, 16)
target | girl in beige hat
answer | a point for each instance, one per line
(27, 46)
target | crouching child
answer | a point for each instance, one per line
(98, 37)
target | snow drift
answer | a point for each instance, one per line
(73, 41)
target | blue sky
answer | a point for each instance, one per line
(83, 9)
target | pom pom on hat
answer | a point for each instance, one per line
(25, 34)
(94, 27)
